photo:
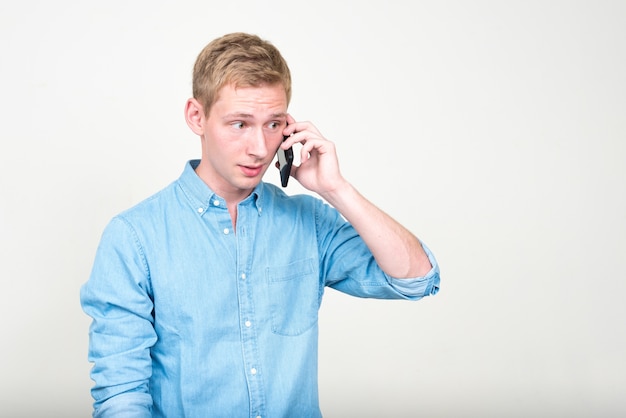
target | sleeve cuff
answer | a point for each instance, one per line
(418, 287)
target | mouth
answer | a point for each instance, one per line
(251, 170)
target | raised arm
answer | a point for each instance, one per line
(396, 250)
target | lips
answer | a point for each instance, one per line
(251, 170)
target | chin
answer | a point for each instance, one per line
(248, 183)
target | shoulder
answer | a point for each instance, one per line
(150, 208)
(299, 206)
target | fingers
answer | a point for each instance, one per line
(301, 132)
(316, 147)
(311, 145)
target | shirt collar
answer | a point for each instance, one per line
(201, 197)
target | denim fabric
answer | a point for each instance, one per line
(194, 319)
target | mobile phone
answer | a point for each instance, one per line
(285, 160)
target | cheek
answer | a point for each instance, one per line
(219, 141)
(274, 140)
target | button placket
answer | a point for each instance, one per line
(245, 286)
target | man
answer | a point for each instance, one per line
(205, 297)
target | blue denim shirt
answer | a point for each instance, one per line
(194, 319)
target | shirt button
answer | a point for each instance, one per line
(248, 324)
(253, 371)
(216, 202)
(200, 210)
(226, 231)
(243, 276)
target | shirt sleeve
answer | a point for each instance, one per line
(117, 298)
(349, 266)
(418, 287)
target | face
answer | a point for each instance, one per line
(240, 137)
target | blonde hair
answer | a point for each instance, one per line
(241, 59)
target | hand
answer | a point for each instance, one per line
(319, 167)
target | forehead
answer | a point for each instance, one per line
(263, 95)
(261, 103)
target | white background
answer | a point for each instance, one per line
(494, 130)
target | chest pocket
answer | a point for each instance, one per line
(294, 297)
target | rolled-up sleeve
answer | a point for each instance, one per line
(349, 266)
(418, 287)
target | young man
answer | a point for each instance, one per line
(205, 297)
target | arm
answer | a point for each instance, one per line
(396, 250)
(116, 297)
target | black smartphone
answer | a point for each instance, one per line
(285, 160)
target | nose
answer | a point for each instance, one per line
(257, 144)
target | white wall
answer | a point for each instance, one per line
(495, 130)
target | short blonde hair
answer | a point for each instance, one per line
(241, 59)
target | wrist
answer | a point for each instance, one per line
(342, 192)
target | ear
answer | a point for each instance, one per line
(194, 116)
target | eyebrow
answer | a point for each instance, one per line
(243, 115)
(238, 116)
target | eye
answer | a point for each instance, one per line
(237, 125)
(273, 125)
